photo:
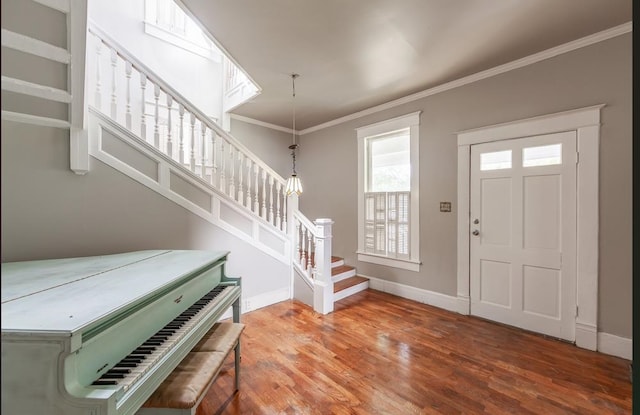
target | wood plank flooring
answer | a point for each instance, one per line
(382, 354)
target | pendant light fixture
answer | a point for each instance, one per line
(294, 185)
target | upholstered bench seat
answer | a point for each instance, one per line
(183, 390)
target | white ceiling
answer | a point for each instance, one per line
(355, 54)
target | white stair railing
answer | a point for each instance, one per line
(132, 95)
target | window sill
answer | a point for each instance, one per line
(408, 264)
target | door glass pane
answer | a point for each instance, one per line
(495, 160)
(542, 156)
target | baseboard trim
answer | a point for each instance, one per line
(615, 345)
(586, 335)
(446, 302)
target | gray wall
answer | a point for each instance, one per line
(49, 212)
(271, 146)
(598, 74)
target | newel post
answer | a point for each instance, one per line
(323, 289)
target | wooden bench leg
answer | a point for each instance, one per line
(237, 365)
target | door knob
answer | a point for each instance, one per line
(475, 232)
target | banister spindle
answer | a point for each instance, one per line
(156, 116)
(240, 177)
(98, 96)
(232, 170)
(203, 150)
(193, 143)
(256, 203)
(303, 252)
(310, 254)
(114, 67)
(181, 148)
(223, 166)
(264, 195)
(143, 104)
(249, 170)
(214, 162)
(169, 137)
(296, 241)
(283, 228)
(278, 193)
(271, 200)
(128, 68)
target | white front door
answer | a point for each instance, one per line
(523, 233)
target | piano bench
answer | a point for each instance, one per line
(183, 390)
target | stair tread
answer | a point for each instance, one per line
(348, 282)
(342, 268)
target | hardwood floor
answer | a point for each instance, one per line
(382, 354)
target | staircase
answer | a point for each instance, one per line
(184, 155)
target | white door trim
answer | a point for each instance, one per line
(586, 123)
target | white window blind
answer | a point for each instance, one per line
(387, 224)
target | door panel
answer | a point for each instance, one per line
(523, 233)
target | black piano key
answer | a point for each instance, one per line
(110, 375)
(126, 364)
(119, 370)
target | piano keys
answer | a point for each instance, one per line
(97, 335)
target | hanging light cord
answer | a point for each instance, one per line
(294, 145)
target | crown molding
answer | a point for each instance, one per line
(519, 63)
(262, 124)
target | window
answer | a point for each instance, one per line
(542, 156)
(388, 193)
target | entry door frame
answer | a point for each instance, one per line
(586, 123)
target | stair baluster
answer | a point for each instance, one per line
(114, 68)
(156, 117)
(223, 174)
(181, 146)
(214, 163)
(193, 143)
(278, 222)
(98, 95)
(249, 166)
(143, 104)
(240, 178)
(127, 118)
(256, 203)
(203, 151)
(169, 136)
(263, 214)
(271, 218)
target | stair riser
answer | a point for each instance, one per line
(337, 263)
(344, 275)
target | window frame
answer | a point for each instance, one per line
(412, 122)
